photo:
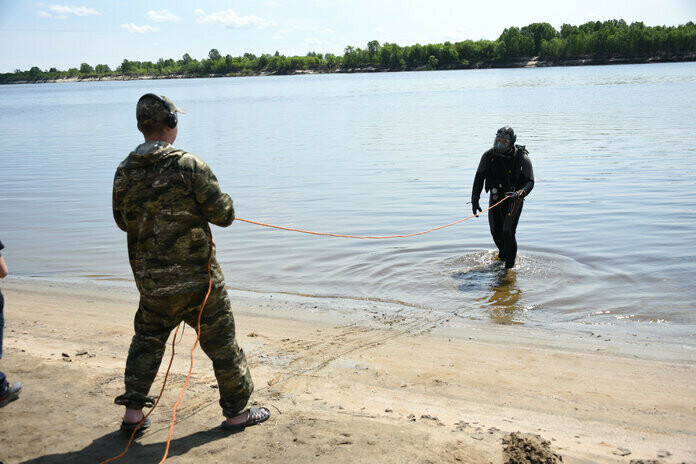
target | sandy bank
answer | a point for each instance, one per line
(344, 386)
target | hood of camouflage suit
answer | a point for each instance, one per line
(145, 160)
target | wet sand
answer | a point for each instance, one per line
(345, 384)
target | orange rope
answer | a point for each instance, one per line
(171, 360)
(375, 237)
(198, 337)
(205, 300)
(164, 383)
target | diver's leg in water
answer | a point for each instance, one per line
(509, 230)
(496, 219)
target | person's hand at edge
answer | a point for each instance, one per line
(515, 195)
(475, 206)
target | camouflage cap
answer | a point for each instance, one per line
(154, 109)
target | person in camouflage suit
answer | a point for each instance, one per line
(165, 198)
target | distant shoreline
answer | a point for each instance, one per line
(531, 62)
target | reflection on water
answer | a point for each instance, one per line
(383, 154)
(497, 287)
(504, 299)
(481, 273)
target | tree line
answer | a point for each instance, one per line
(592, 41)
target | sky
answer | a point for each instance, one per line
(70, 32)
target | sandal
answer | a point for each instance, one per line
(12, 391)
(256, 416)
(125, 427)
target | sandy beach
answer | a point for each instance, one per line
(345, 384)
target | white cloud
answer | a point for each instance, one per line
(63, 11)
(230, 19)
(162, 16)
(312, 41)
(76, 10)
(134, 29)
(295, 28)
(199, 12)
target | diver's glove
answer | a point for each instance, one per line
(515, 195)
(475, 206)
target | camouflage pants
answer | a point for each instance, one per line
(154, 321)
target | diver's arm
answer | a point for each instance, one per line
(528, 174)
(478, 185)
(479, 179)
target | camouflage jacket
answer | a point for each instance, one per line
(164, 199)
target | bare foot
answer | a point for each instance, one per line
(133, 416)
(251, 417)
(236, 420)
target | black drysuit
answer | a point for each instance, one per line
(502, 173)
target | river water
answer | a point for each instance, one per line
(607, 238)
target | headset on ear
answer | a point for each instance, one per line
(171, 120)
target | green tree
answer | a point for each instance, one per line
(214, 55)
(592, 39)
(551, 50)
(219, 67)
(432, 62)
(512, 38)
(232, 64)
(207, 66)
(332, 61)
(127, 67)
(390, 56)
(350, 56)
(373, 51)
(278, 64)
(567, 30)
(86, 69)
(449, 55)
(35, 72)
(539, 32)
(487, 49)
(102, 69)
(412, 55)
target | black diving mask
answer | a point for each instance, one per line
(502, 143)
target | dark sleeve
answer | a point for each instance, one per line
(1, 246)
(479, 178)
(527, 175)
(117, 201)
(217, 207)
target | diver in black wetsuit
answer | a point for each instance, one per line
(506, 170)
